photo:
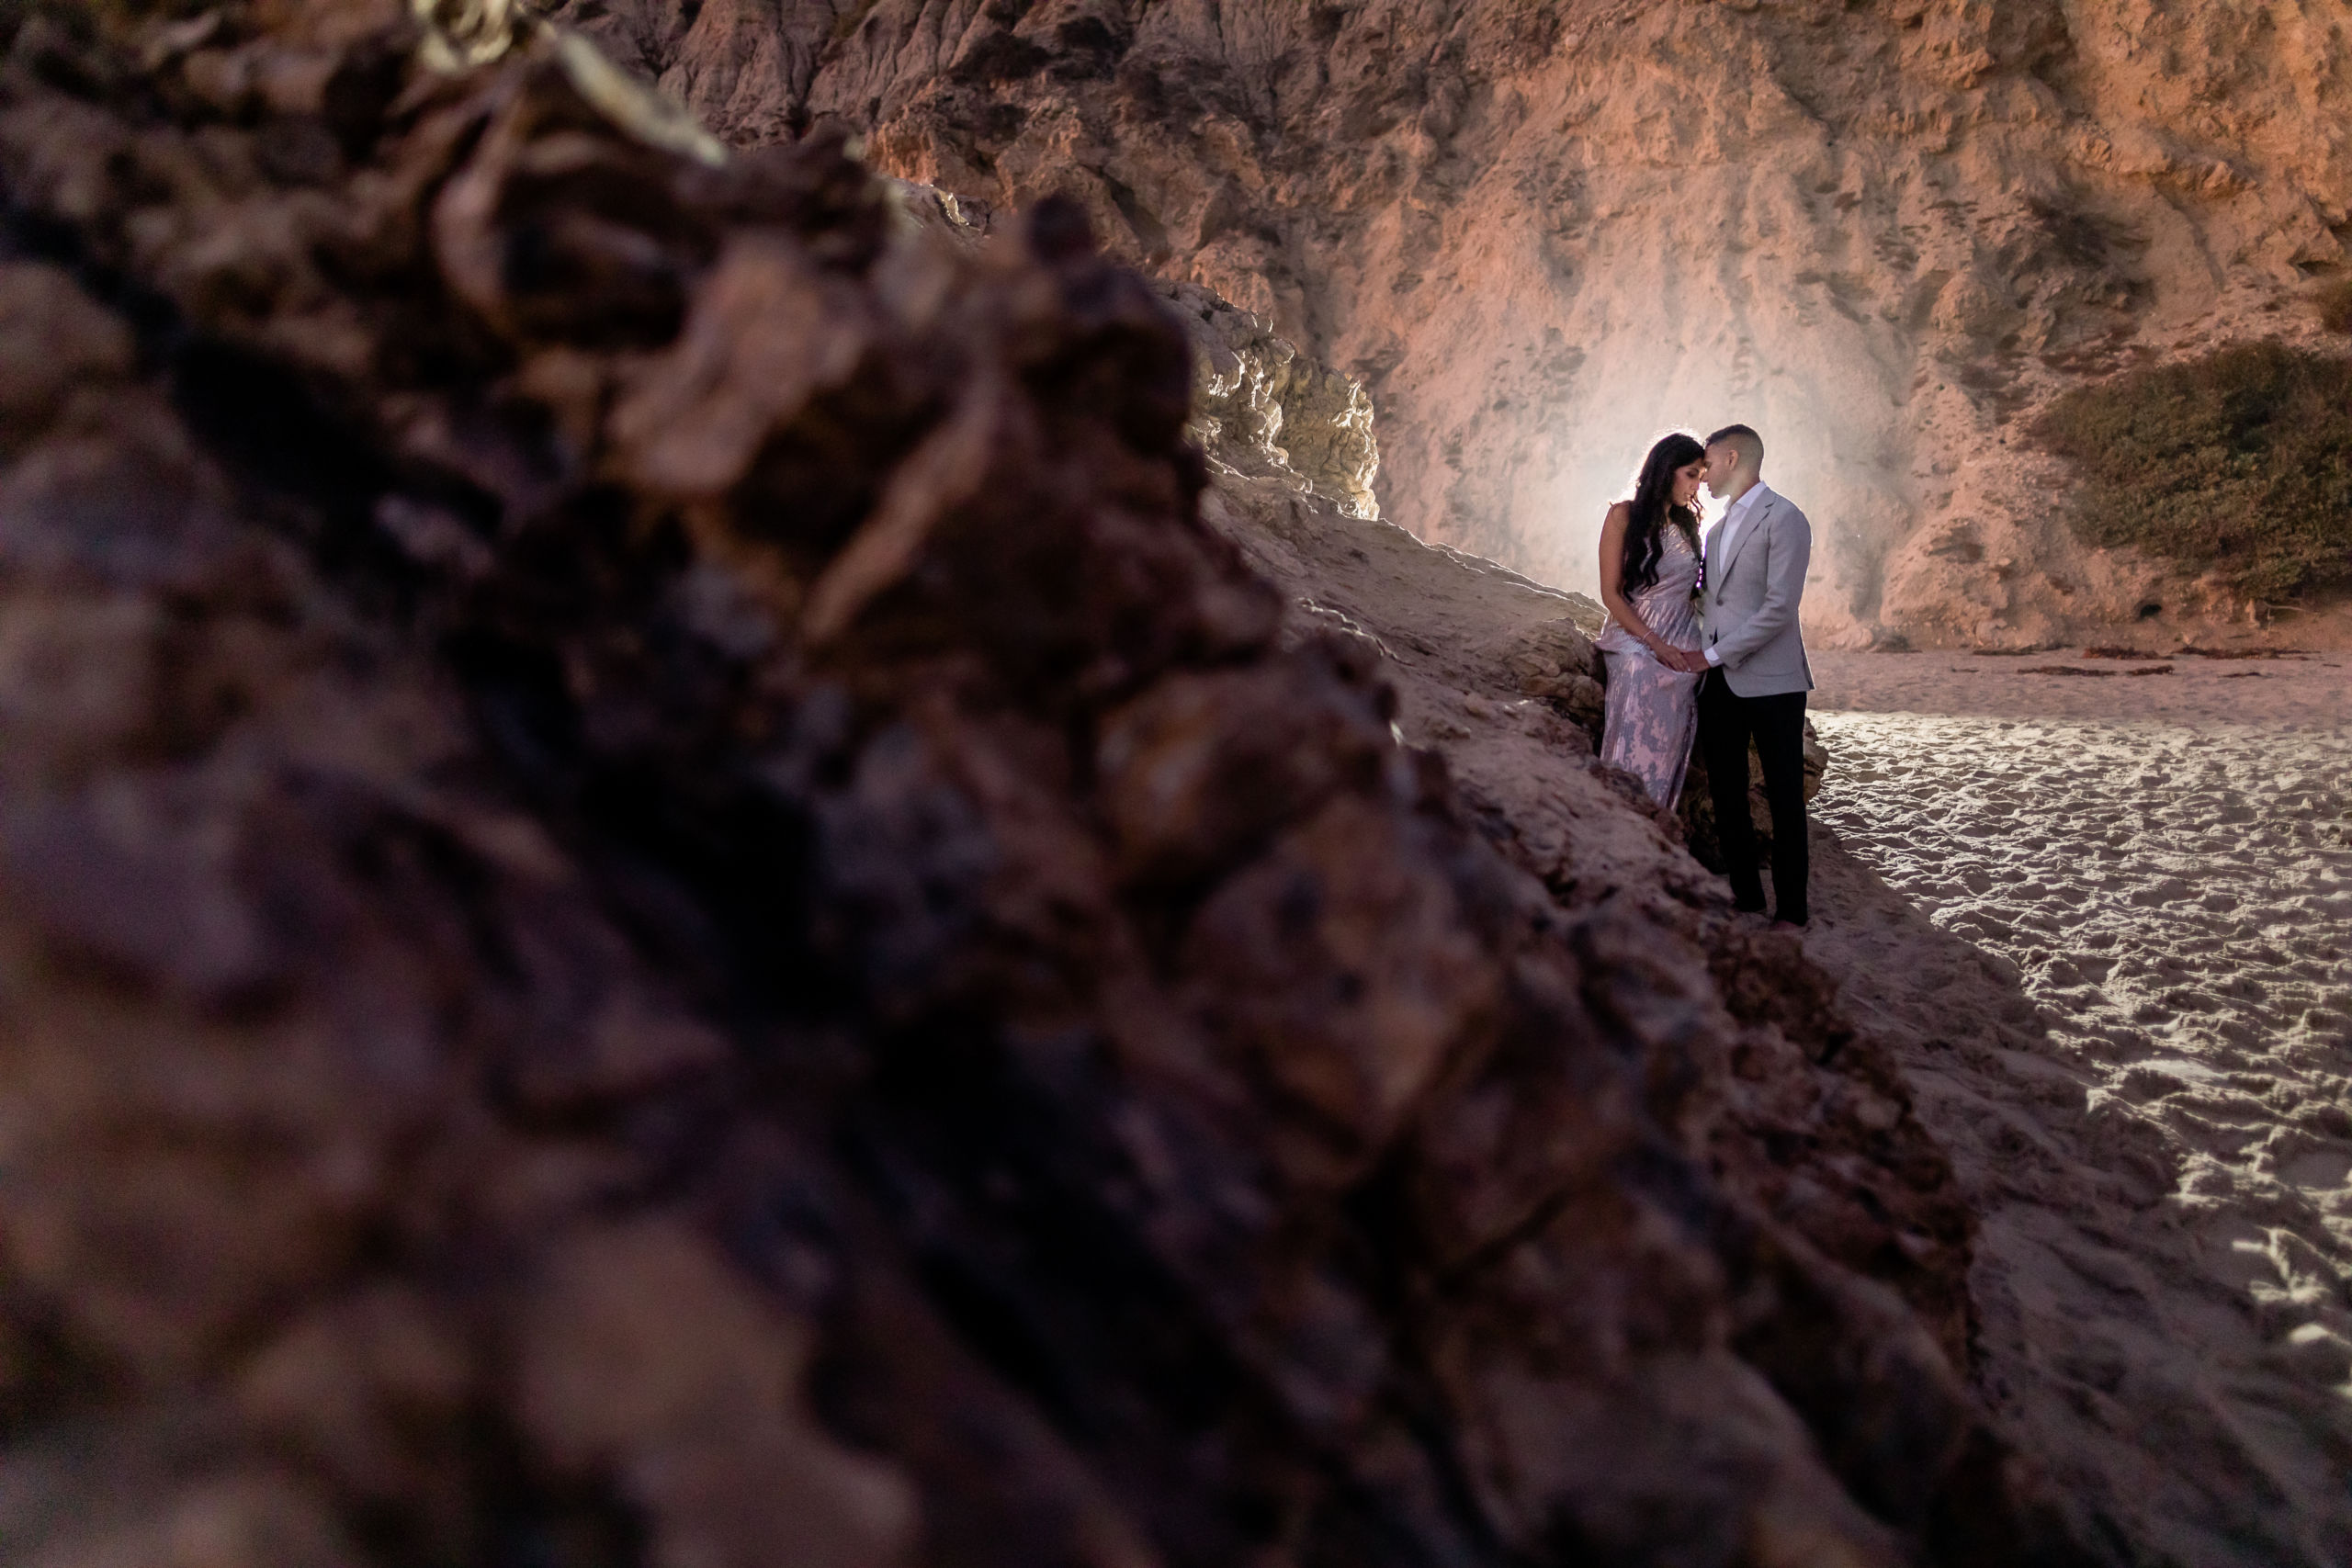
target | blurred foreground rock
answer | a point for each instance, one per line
(669, 895)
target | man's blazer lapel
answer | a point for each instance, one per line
(1748, 532)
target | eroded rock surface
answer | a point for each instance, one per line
(668, 896)
(1541, 233)
(1260, 403)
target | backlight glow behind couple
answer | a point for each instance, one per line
(1703, 641)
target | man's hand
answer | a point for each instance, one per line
(1689, 660)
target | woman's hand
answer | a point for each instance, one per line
(1689, 660)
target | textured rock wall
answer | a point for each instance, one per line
(1539, 233)
(667, 894)
(1259, 403)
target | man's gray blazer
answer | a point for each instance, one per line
(1749, 607)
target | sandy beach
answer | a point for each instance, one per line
(2107, 919)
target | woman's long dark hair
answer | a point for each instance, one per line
(1653, 507)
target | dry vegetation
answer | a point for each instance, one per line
(2239, 463)
(2335, 304)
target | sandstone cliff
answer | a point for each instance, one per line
(1539, 233)
(671, 897)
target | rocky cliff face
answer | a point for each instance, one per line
(1540, 233)
(672, 897)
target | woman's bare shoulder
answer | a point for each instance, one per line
(1618, 512)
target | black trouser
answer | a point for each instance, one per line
(1726, 721)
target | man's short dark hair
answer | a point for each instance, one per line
(1743, 440)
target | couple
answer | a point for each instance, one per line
(1705, 638)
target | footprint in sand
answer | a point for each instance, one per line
(2174, 894)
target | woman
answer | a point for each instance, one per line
(1649, 564)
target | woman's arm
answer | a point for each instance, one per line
(1613, 578)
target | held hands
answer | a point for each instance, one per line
(1689, 660)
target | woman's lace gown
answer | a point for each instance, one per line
(1652, 711)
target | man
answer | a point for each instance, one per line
(1753, 670)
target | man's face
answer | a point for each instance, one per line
(1722, 460)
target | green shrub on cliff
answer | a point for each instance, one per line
(2239, 461)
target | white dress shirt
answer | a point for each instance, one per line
(1728, 530)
